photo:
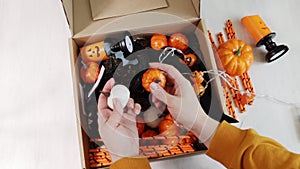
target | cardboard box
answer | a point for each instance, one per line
(89, 28)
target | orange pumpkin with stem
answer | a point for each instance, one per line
(236, 56)
(153, 75)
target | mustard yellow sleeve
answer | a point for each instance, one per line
(131, 163)
(243, 149)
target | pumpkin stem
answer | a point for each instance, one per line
(157, 81)
(238, 52)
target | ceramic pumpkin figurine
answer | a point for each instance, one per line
(153, 75)
(236, 56)
(159, 41)
(94, 52)
(89, 72)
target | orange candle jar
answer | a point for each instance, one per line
(256, 27)
(263, 36)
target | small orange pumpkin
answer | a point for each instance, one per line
(166, 125)
(168, 128)
(236, 56)
(158, 41)
(153, 75)
(190, 59)
(89, 72)
(179, 41)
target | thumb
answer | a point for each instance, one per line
(115, 118)
(160, 93)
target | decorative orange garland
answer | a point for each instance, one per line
(99, 157)
(240, 100)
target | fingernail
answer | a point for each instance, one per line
(130, 103)
(154, 86)
(137, 109)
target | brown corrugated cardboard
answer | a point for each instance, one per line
(82, 24)
(197, 6)
(113, 8)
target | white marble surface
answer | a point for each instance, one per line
(37, 119)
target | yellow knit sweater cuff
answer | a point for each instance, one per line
(131, 163)
(225, 143)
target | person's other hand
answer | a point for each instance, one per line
(183, 103)
(117, 127)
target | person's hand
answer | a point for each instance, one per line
(183, 103)
(117, 127)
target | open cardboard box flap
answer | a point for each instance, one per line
(113, 8)
(82, 24)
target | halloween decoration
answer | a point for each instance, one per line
(159, 41)
(197, 78)
(153, 75)
(179, 41)
(190, 59)
(236, 56)
(263, 36)
(89, 72)
(93, 52)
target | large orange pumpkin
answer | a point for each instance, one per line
(236, 56)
